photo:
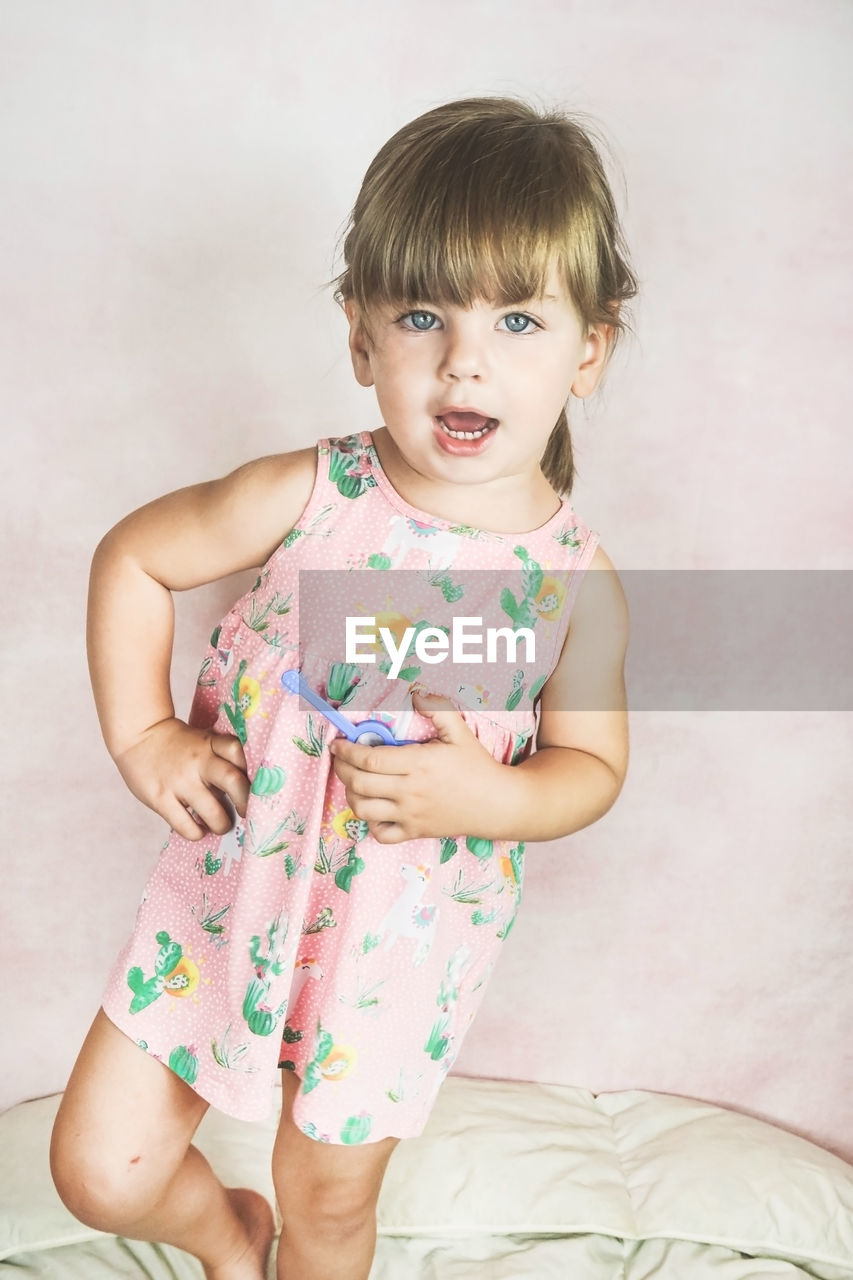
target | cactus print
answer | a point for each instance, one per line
(295, 940)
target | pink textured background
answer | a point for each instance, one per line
(174, 180)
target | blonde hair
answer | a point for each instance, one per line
(478, 199)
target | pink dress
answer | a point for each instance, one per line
(297, 940)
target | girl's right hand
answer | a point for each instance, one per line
(178, 771)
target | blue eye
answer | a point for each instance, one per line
(423, 321)
(517, 322)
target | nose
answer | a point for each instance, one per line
(463, 356)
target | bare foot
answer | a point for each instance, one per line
(256, 1216)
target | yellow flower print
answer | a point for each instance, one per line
(339, 1063)
(509, 873)
(348, 826)
(248, 696)
(396, 623)
(549, 601)
(183, 979)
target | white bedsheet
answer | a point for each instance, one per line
(509, 1181)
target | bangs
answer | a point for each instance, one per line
(480, 212)
(458, 247)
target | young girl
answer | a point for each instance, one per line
(346, 925)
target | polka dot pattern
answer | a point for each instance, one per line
(297, 939)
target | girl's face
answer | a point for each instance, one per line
(470, 396)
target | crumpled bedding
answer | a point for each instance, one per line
(509, 1181)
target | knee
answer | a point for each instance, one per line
(99, 1188)
(331, 1207)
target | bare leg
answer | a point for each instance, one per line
(328, 1195)
(122, 1161)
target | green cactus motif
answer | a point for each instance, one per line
(483, 917)
(452, 591)
(344, 678)
(536, 688)
(147, 990)
(325, 920)
(440, 1037)
(356, 1128)
(448, 849)
(406, 674)
(272, 842)
(311, 1131)
(344, 863)
(354, 867)
(268, 780)
(521, 612)
(259, 614)
(378, 561)
(517, 690)
(519, 746)
(292, 866)
(516, 855)
(506, 929)
(211, 921)
(480, 847)
(313, 1075)
(411, 673)
(467, 531)
(235, 713)
(361, 994)
(468, 894)
(568, 537)
(184, 1063)
(314, 745)
(208, 866)
(229, 1056)
(348, 474)
(260, 1016)
(398, 1092)
(438, 1042)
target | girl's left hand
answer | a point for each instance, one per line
(436, 788)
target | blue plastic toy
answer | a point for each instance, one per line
(370, 733)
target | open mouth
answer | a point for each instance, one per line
(466, 426)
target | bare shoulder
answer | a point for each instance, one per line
(209, 530)
(280, 484)
(584, 703)
(601, 600)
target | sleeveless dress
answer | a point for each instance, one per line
(296, 939)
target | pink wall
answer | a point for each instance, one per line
(174, 182)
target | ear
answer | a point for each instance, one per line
(359, 346)
(596, 350)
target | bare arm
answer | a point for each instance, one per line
(581, 757)
(182, 540)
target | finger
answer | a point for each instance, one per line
(429, 703)
(387, 832)
(369, 785)
(373, 811)
(180, 820)
(205, 807)
(227, 747)
(226, 777)
(387, 760)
